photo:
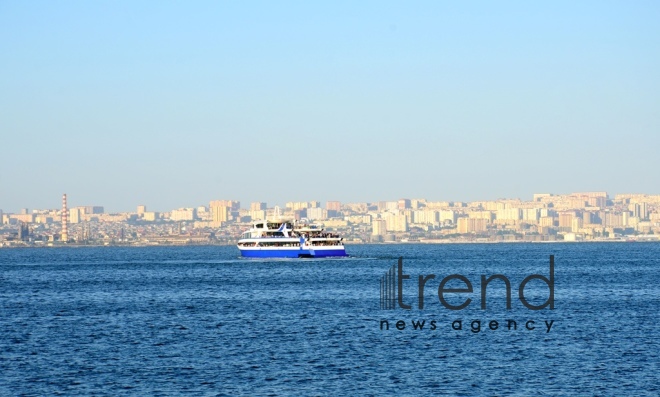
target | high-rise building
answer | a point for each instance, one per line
(257, 214)
(530, 214)
(546, 221)
(404, 204)
(396, 222)
(540, 196)
(599, 202)
(378, 227)
(141, 209)
(183, 214)
(640, 210)
(150, 216)
(219, 211)
(447, 216)
(297, 205)
(417, 203)
(471, 225)
(27, 218)
(23, 231)
(391, 205)
(566, 221)
(74, 215)
(65, 220)
(317, 213)
(425, 216)
(509, 214)
(233, 205)
(576, 225)
(488, 215)
(625, 218)
(92, 209)
(333, 206)
(613, 220)
(591, 194)
(258, 206)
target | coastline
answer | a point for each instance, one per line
(435, 242)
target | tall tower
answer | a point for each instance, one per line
(65, 218)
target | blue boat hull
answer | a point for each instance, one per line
(273, 253)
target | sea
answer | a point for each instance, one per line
(203, 321)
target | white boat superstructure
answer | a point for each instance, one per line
(289, 239)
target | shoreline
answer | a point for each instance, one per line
(45, 246)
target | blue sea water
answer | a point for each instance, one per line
(201, 321)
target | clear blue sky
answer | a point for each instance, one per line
(173, 104)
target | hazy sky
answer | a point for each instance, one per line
(174, 104)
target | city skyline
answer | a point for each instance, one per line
(578, 216)
(245, 204)
(168, 103)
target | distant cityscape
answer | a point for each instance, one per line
(586, 216)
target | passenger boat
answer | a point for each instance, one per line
(289, 239)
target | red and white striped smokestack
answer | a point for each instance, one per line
(65, 219)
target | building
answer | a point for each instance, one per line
(531, 215)
(438, 204)
(471, 225)
(566, 221)
(23, 231)
(74, 215)
(141, 209)
(546, 221)
(297, 205)
(417, 203)
(488, 215)
(513, 214)
(541, 196)
(150, 216)
(258, 206)
(613, 220)
(640, 210)
(447, 216)
(378, 227)
(426, 216)
(317, 213)
(395, 222)
(576, 225)
(257, 214)
(92, 209)
(233, 205)
(333, 206)
(25, 218)
(219, 211)
(183, 214)
(391, 205)
(591, 194)
(599, 202)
